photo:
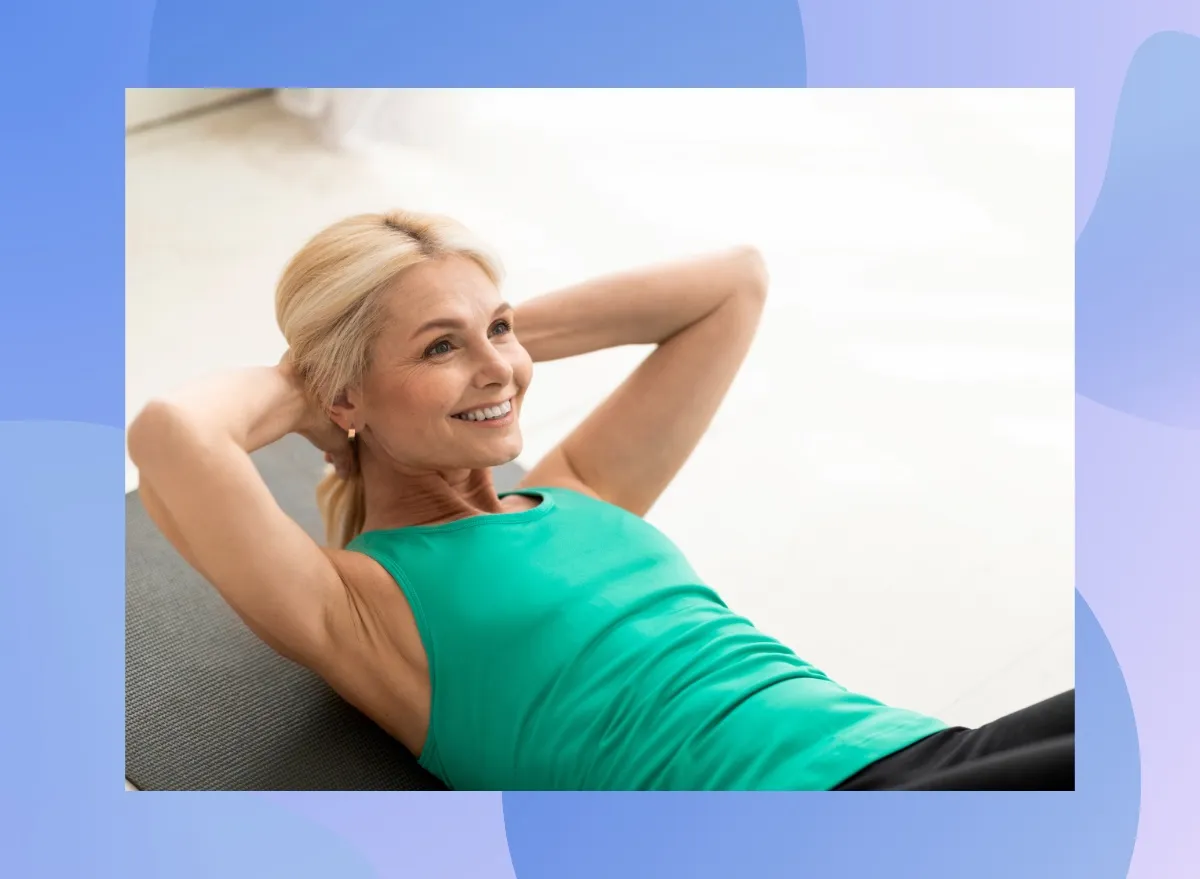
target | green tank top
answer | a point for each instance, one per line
(572, 647)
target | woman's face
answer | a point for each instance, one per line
(445, 366)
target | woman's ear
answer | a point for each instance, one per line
(343, 412)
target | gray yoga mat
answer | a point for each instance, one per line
(210, 707)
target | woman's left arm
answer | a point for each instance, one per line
(702, 315)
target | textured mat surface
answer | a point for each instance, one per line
(210, 707)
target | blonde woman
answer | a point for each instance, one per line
(548, 637)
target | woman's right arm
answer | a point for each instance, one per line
(205, 494)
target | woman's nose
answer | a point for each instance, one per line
(494, 368)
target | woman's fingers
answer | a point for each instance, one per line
(341, 462)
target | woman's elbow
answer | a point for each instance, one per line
(752, 273)
(148, 430)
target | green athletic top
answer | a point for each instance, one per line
(572, 647)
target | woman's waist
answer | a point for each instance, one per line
(618, 727)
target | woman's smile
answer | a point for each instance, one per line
(499, 415)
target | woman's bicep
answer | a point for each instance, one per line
(629, 449)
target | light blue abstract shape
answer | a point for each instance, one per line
(1138, 260)
(414, 833)
(1136, 523)
(457, 43)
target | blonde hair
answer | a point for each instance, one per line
(329, 307)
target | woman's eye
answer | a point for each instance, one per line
(444, 347)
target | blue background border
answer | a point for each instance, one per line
(1136, 71)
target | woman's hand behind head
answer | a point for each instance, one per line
(343, 462)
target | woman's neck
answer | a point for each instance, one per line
(399, 498)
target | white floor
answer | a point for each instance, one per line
(889, 488)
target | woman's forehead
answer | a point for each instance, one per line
(449, 287)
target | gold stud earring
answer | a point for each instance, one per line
(350, 434)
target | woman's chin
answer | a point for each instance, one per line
(511, 451)
(498, 451)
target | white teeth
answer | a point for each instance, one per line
(490, 412)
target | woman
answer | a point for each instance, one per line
(549, 637)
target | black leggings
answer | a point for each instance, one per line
(1031, 749)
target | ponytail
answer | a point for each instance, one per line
(343, 505)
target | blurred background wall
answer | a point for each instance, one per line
(145, 107)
